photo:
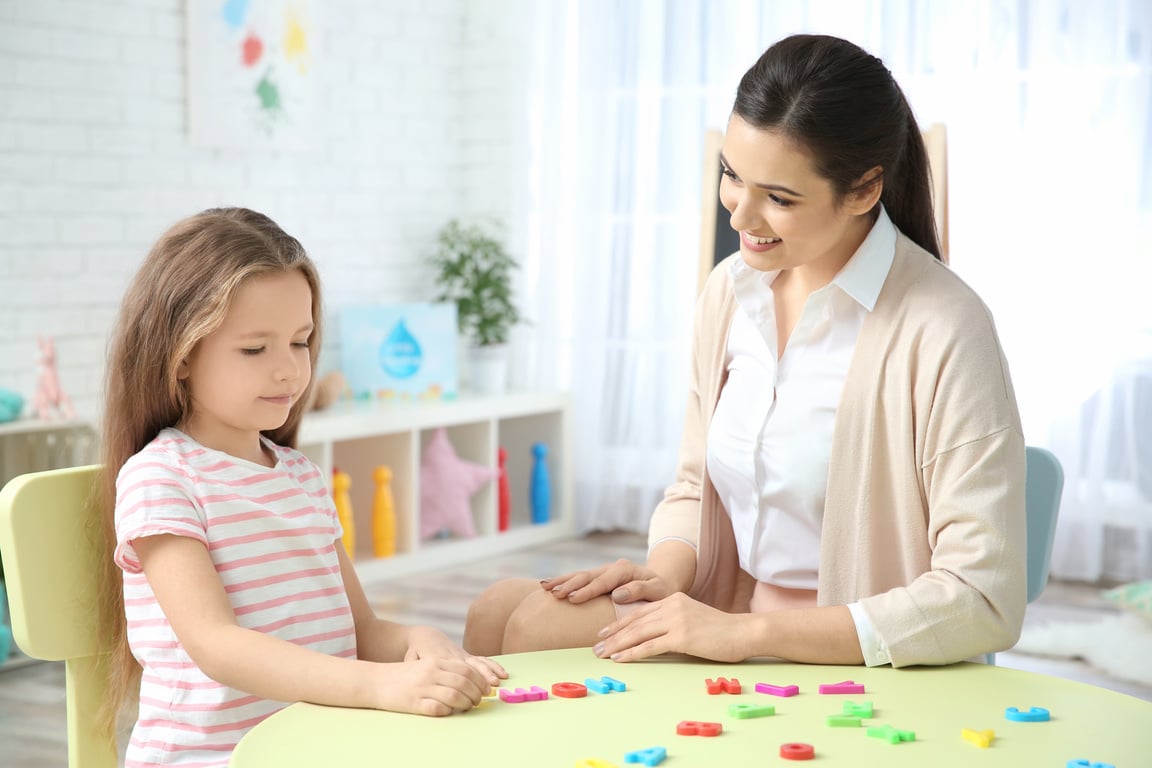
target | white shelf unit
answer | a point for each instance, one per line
(31, 445)
(356, 437)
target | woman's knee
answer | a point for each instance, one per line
(541, 622)
(488, 615)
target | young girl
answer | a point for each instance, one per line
(237, 594)
(851, 478)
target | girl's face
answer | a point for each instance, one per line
(246, 375)
(786, 213)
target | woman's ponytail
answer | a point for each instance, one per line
(907, 194)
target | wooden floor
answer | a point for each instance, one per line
(32, 714)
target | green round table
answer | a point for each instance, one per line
(934, 703)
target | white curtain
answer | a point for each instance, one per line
(1047, 106)
(617, 113)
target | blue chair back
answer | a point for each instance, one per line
(1043, 487)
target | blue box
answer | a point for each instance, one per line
(400, 350)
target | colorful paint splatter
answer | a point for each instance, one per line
(250, 69)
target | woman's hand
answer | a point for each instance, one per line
(676, 624)
(626, 581)
(430, 643)
(430, 686)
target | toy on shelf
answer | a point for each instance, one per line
(341, 483)
(327, 390)
(447, 483)
(504, 495)
(50, 400)
(11, 404)
(383, 514)
(5, 630)
(541, 490)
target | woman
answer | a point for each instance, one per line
(851, 479)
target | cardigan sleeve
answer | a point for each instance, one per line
(677, 516)
(969, 599)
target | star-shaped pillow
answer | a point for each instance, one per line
(447, 483)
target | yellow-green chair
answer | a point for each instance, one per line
(51, 546)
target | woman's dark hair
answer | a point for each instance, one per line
(841, 103)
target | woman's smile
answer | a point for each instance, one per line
(759, 244)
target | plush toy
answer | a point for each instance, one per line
(329, 388)
(10, 405)
(447, 483)
(5, 630)
(50, 400)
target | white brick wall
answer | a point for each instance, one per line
(419, 120)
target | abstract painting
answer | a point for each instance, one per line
(251, 72)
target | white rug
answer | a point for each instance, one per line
(1120, 645)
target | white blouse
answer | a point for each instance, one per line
(771, 434)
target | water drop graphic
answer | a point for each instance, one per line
(400, 354)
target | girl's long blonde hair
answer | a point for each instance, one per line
(180, 295)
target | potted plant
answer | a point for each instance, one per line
(474, 270)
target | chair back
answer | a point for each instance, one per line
(51, 545)
(1042, 488)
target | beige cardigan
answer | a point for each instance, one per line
(924, 514)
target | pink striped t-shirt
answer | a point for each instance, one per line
(272, 535)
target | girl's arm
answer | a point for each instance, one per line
(185, 582)
(385, 641)
(376, 639)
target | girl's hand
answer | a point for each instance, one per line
(676, 624)
(433, 687)
(431, 643)
(626, 581)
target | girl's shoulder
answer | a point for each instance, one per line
(169, 453)
(295, 463)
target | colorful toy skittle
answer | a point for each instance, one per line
(541, 490)
(504, 495)
(341, 482)
(383, 514)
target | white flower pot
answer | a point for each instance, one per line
(488, 369)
